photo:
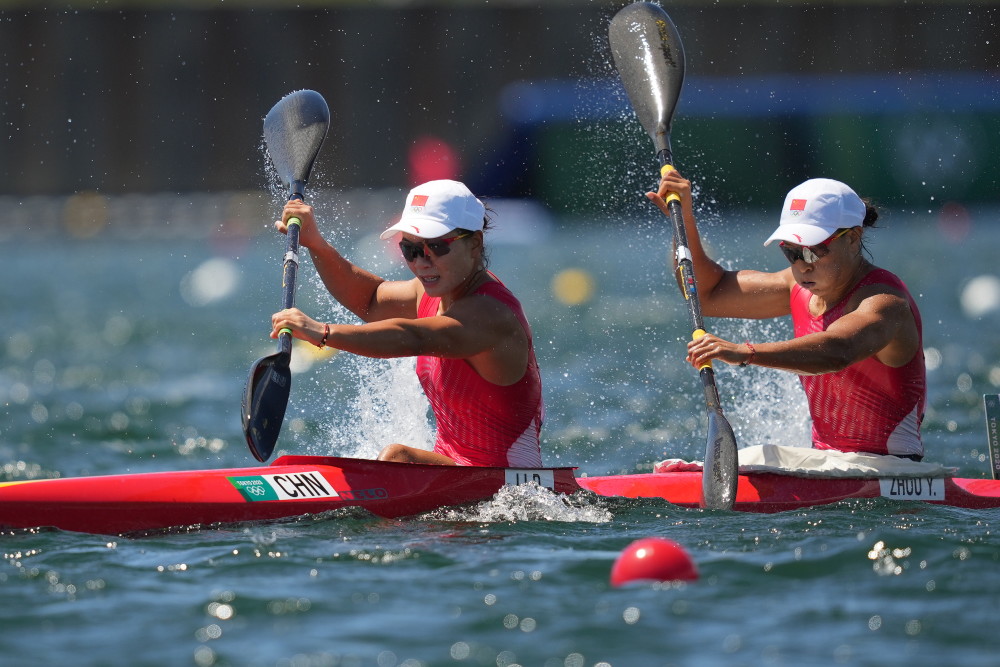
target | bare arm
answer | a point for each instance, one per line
(881, 325)
(722, 293)
(363, 293)
(478, 328)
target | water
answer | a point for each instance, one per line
(129, 354)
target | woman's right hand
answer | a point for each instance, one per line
(309, 236)
(672, 181)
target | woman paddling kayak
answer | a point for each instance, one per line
(858, 341)
(475, 357)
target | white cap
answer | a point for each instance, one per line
(436, 208)
(814, 210)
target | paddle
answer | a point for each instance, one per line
(294, 130)
(649, 57)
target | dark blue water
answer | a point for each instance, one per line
(127, 351)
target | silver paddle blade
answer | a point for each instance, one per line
(649, 57)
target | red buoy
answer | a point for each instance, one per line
(653, 559)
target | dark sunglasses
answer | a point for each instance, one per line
(439, 247)
(810, 254)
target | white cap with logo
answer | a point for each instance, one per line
(437, 207)
(815, 210)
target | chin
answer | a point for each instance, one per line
(435, 289)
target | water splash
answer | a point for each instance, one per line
(765, 406)
(382, 403)
(530, 502)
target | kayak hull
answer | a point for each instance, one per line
(295, 486)
(291, 486)
(770, 492)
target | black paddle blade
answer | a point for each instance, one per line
(264, 402)
(294, 130)
(649, 57)
(721, 473)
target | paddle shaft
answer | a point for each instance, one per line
(289, 271)
(720, 477)
(686, 278)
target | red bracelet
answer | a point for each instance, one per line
(749, 360)
(326, 334)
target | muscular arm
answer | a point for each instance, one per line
(722, 293)
(479, 329)
(881, 325)
(363, 293)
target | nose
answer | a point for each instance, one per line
(424, 257)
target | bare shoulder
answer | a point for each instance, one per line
(486, 312)
(397, 298)
(885, 299)
(886, 310)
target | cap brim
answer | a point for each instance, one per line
(420, 227)
(800, 234)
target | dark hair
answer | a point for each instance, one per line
(487, 226)
(871, 215)
(488, 218)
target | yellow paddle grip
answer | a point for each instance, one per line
(671, 196)
(698, 333)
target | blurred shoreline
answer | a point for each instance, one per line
(149, 97)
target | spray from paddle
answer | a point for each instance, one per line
(387, 406)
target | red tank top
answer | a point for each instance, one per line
(478, 422)
(868, 406)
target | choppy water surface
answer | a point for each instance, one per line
(129, 354)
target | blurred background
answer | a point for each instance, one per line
(102, 99)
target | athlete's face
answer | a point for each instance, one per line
(442, 265)
(831, 274)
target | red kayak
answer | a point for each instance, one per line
(770, 492)
(301, 485)
(291, 486)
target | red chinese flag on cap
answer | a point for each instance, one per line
(419, 200)
(797, 205)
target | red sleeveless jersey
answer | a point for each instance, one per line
(868, 406)
(478, 422)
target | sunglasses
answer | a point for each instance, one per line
(810, 254)
(439, 247)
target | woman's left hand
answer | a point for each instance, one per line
(301, 325)
(710, 347)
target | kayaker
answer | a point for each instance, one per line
(858, 345)
(475, 357)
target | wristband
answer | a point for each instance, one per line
(326, 334)
(748, 360)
